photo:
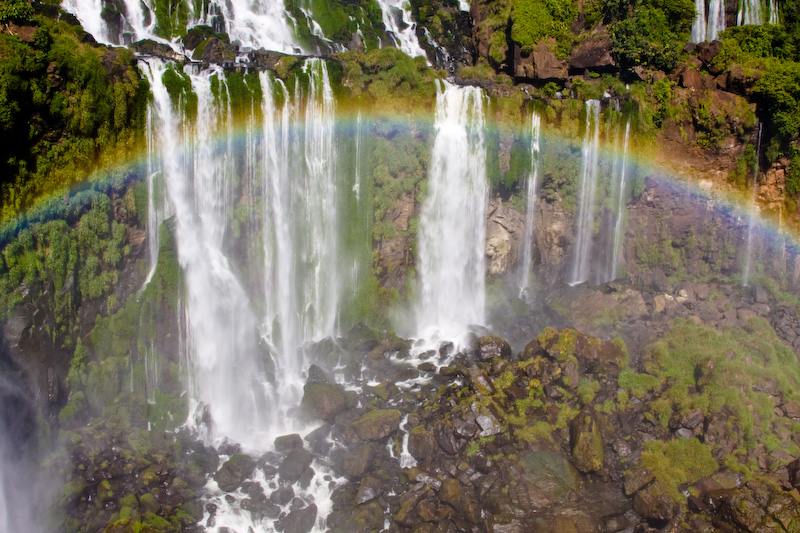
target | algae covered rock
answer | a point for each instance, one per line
(235, 470)
(294, 464)
(376, 424)
(588, 452)
(323, 400)
(490, 346)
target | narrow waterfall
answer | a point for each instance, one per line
(753, 212)
(620, 216)
(716, 19)
(699, 25)
(530, 207)
(584, 227)
(774, 16)
(750, 12)
(399, 24)
(453, 220)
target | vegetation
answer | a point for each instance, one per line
(66, 108)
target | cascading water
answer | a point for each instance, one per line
(753, 212)
(699, 25)
(750, 12)
(620, 216)
(226, 376)
(260, 24)
(399, 24)
(716, 19)
(584, 227)
(452, 227)
(530, 207)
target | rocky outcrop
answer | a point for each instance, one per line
(594, 53)
(505, 228)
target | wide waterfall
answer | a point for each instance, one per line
(452, 225)
(584, 225)
(526, 255)
(749, 12)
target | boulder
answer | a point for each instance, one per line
(323, 400)
(653, 503)
(490, 346)
(593, 54)
(160, 50)
(547, 65)
(376, 424)
(234, 471)
(294, 464)
(356, 463)
(286, 443)
(588, 451)
(298, 520)
(421, 443)
(369, 489)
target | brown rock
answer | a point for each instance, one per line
(323, 400)
(652, 502)
(490, 346)
(588, 450)
(421, 443)
(377, 424)
(594, 53)
(546, 64)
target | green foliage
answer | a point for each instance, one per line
(676, 462)
(18, 11)
(648, 38)
(66, 108)
(793, 176)
(745, 166)
(172, 16)
(535, 20)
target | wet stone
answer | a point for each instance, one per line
(286, 443)
(295, 464)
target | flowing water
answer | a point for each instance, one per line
(621, 208)
(716, 19)
(751, 222)
(526, 255)
(452, 226)
(584, 225)
(400, 25)
(699, 24)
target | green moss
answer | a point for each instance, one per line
(535, 20)
(676, 462)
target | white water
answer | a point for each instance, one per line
(399, 24)
(526, 255)
(716, 19)
(584, 227)
(753, 219)
(452, 223)
(253, 23)
(620, 216)
(699, 25)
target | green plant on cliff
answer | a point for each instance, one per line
(66, 108)
(535, 20)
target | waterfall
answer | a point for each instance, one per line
(399, 25)
(620, 216)
(584, 228)
(301, 227)
(774, 17)
(226, 375)
(750, 12)
(699, 25)
(530, 207)
(453, 220)
(753, 212)
(254, 24)
(716, 19)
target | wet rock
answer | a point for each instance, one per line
(369, 489)
(443, 432)
(362, 519)
(282, 495)
(234, 471)
(286, 443)
(490, 346)
(450, 492)
(421, 443)
(298, 520)
(362, 339)
(295, 464)
(323, 400)
(153, 48)
(653, 503)
(376, 424)
(215, 51)
(356, 463)
(593, 54)
(588, 451)
(260, 507)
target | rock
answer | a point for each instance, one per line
(588, 451)
(358, 462)
(364, 518)
(708, 51)
(161, 50)
(480, 382)
(361, 339)
(653, 503)
(760, 295)
(443, 432)
(377, 424)
(282, 495)
(298, 520)
(196, 35)
(593, 54)
(288, 442)
(421, 443)
(369, 489)
(316, 374)
(547, 65)
(791, 409)
(216, 52)
(323, 400)
(490, 346)
(295, 463)
(234, 471)
(504, 230)
(450, 493)
(684, 433)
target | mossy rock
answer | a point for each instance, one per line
(588, 450)
(323, 400)
(491, 346)
(377, 424)
(234, 471)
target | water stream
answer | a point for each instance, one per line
(526, 255)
